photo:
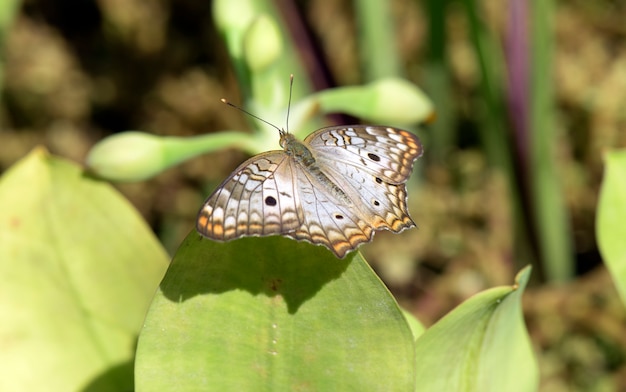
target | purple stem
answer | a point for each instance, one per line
(516, 52)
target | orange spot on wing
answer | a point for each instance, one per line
(203, 221)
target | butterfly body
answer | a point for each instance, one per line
(302, 155)
(335, 189)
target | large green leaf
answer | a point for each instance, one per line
(272, 314)
(480, 346)
(612, 218)
(78, 268)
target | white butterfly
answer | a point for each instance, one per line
(335, 189)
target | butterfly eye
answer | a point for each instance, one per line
(270, 201)
(373, 157)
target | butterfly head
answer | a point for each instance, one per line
(286, 139)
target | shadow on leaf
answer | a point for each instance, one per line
(118, 378)
(272, 266)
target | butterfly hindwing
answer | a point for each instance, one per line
(382, 205)
(326, 219)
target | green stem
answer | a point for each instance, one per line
(379, 54)
(550, 212)
(437, 83)
(493, 133)
(8, 10)
(180, 149)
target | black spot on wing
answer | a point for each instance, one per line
(373, 157)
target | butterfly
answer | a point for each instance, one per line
(335, 188)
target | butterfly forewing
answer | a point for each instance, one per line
(387, 152)
(257, 199)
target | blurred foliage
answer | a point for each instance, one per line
(161, 67)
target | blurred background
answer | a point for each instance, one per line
(528, 95)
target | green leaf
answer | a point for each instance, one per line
(611, 218)
(272, 314)
(480, 346)
(78, 267)
(416, 326)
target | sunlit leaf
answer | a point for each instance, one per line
(270, 314)
(480, 346)
(78, 267)
(611, 218)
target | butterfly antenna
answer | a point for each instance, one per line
(251, 115)
(289, 102)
